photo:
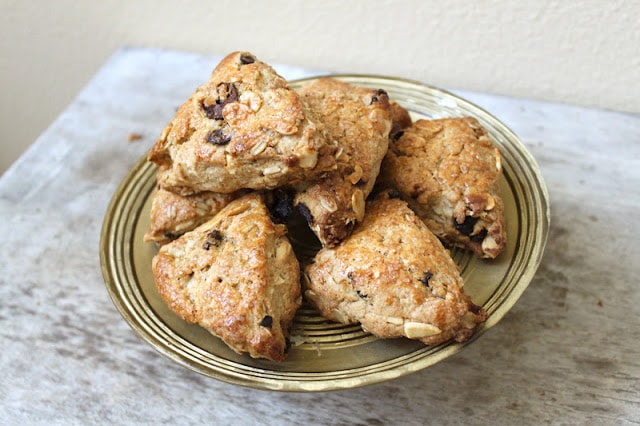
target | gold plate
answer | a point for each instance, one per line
(325, 355)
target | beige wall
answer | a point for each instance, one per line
(579, 52)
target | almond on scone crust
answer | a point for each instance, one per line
(358, 119)
(243, 128)
(394, 277)
(235, 275)
(448, 170)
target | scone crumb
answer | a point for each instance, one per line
(134, 137)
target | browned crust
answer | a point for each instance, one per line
(243, 128)
(391, 274)
(359, 120)
(448, 170)
(237, 276)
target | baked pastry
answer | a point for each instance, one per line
(235, 275)
(394, 277)
(358, 119)
(448, 170)
(172, 214)
(244, 128)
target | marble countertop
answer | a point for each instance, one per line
(568, 352)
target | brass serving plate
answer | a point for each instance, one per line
(325, 355)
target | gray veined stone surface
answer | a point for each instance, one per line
(567, 353)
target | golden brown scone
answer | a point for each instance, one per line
(172, 214)
(394, 277)
(244, 128)
(359, 120)
(448, 170)
(235, 275)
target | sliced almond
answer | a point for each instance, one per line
(252, 100)
(308, 160)
(271, 170)
(491, 203)
(339, 316)
(328, 204)
(356, 175)
(283, 251)
(489, 244)
(418, 330)
(357, 204)
(310, 294)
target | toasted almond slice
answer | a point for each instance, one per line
(310, 294)
(339, 316)
(283, 251)
(356, 175)
(271, 170)
(357, 204)
(491, 203)
(489, 244)
(329, 204)
(309, 160)
(418, 330)
(252, 100)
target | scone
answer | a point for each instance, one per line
(244, 128)
(172, 214)
(394, 277)
(235, 275)
(359, 120)
(448, 170)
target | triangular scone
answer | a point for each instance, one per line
(173, 214)
(359, 120)
(237, 276)
(448, 171)
(394, 277)
(244, 128)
